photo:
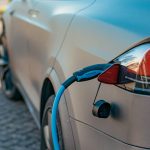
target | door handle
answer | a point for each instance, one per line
(12, 12)
(33, 13)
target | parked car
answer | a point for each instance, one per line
(47, 40)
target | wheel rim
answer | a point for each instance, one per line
(46, 127)
(46, 137)
(47, 131)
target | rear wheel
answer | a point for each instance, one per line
(46, 137)
(8, 87)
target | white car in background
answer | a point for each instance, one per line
(45, 41)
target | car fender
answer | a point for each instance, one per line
(63, 111)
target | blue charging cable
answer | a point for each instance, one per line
(54, 116)
(85, 74)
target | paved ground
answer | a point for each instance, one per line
(18, 131)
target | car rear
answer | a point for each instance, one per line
(101, 33)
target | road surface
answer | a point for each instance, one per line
(18, 130)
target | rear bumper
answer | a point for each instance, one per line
(87, 138)
(129, 121)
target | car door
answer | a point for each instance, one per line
(50, 22)
(18, 39)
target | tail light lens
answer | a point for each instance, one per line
(134, 72)
(111, 75)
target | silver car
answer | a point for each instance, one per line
(45, 41)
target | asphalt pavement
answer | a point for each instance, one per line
(18, 130)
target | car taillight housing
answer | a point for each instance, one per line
(134, 71)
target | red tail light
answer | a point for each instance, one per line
(133, 73)
(110, 76)
(144, 66)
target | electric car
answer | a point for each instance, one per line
(46, 41)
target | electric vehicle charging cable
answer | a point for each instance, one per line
(85, 74)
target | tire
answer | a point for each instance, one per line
(7, 85)
(46, 138)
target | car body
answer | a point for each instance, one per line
(49, 40)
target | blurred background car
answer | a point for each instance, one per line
(3, 6)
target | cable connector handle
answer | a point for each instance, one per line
(90, 72)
